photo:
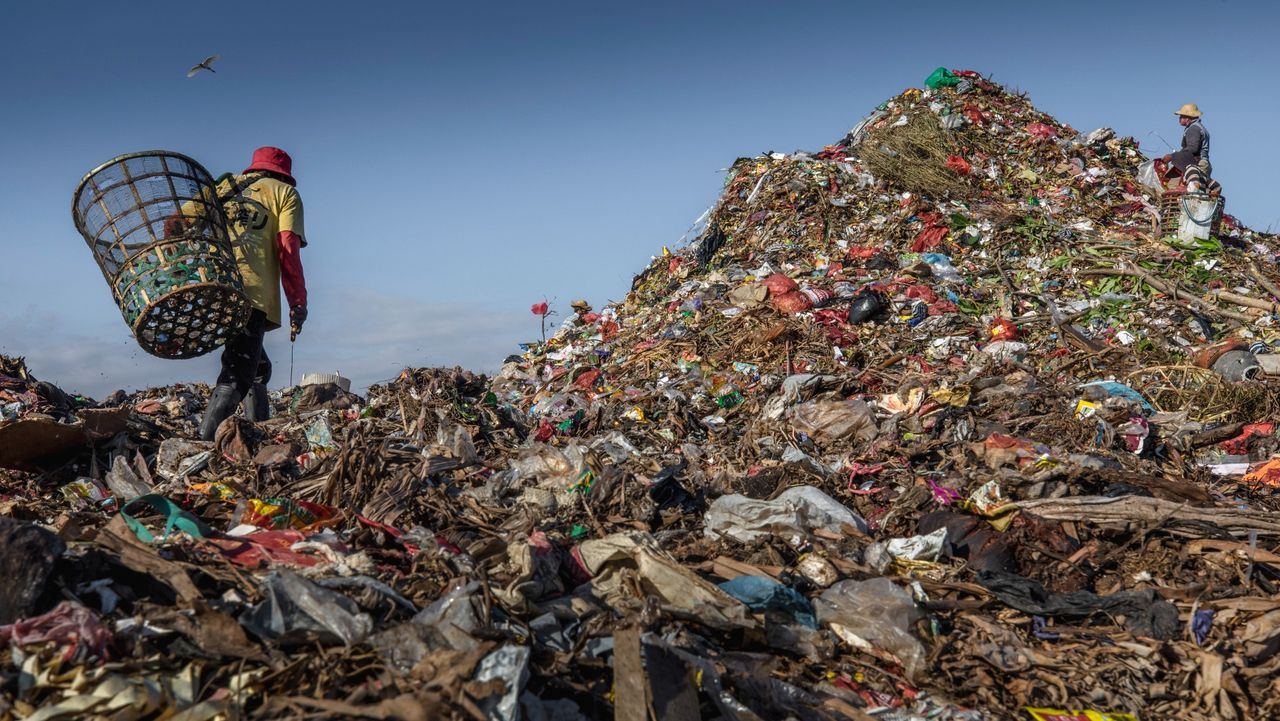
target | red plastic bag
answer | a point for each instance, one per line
(1040, 130)
(792, 303)
(959, 164)
(779, 284)
(928, 239)
(1004, 330)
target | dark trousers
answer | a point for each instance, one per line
(244, 362)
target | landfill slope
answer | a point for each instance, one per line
(940, 421)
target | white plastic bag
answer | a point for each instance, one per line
(1148, 177)
(795, 512)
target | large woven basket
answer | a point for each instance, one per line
(159, 234)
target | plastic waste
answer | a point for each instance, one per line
(802, 386)
(835, 420)
(866, 305)
(179, 458)
(176, 518)
(85, 491)
(941, 78)
(1145, 612)
(296, 611)
(319, 435)
(1268, 364)
(1237, 366)
(509, 664)
(455, 439)
(940, 265)
(795, 512)
(1006, 350)
(1096, 390)
(915, 548)
(453, 618)
(124, 483)
(874, 614)
(818, 571)
(1149, 178)
(765, 595)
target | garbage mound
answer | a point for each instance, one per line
(937, 422)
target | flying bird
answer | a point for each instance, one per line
(207, 64)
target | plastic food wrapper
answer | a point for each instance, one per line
(84, 491)
(835, 420)
(320, 436)
(989, 500)
(795, 512)
(510, 664)
(1050, 714)
(296, 611)
(1267, 474)
(764, 595)
(286, 513)
(916, 548)
(874, 614)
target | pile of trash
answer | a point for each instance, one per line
(935, 423)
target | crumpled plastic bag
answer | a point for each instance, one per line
(179, 458)
(616, 559)
(874, 614)
(456, 440)
(835, 420)
(68, 624)
(296, 611)
(795, 512)
(926, 547)
(509, 664)
(1145, 612)
(533, 567)
(749, 295)
(1149, 178)
(124, 483)
(764, 595)
(448, 624)
(454, 618)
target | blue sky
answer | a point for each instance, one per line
(460, 163)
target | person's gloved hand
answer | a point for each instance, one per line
(297, 316)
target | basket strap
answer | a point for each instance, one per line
(237, 188)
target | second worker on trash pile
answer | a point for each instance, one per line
(1192, 160)
(264, 220)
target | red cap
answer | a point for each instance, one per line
(274, 160)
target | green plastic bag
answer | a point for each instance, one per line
(941, 78)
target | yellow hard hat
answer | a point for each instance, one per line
(580, 304)
(1190, 110)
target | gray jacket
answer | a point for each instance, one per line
(1195, 148)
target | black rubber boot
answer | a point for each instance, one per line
(257, 405)
(222, 404)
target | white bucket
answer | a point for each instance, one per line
(1198, 211)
